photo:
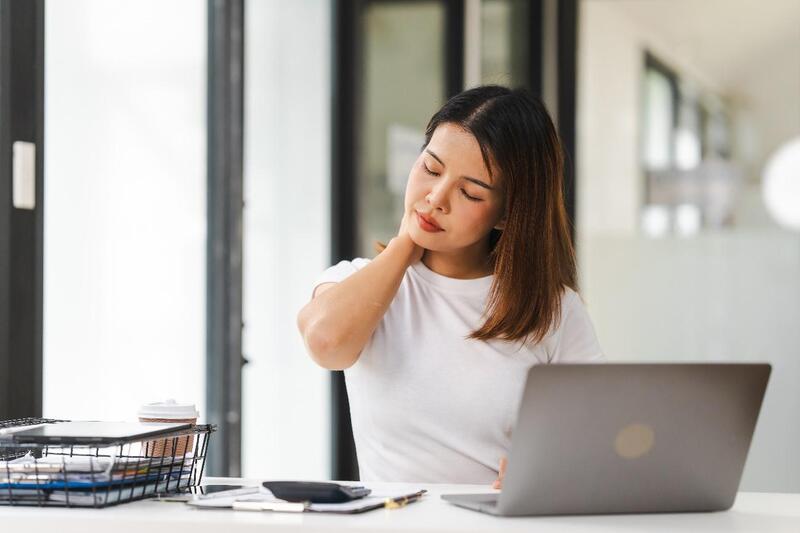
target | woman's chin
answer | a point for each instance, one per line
(419, 242)
(422, 238)
(428, 246)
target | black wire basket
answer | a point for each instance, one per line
(82, 475)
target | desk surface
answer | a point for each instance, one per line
(757, 512)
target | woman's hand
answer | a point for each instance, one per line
(498, 483)
(403, 239)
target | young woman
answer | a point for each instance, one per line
(437, 332)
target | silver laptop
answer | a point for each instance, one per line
(628, 438)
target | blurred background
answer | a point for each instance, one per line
(198, 164)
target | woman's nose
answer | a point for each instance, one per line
(438, 198)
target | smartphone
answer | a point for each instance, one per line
(208, 492)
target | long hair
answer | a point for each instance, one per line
(532, 258)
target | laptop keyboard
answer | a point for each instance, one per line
(28, 421)
(8, 453)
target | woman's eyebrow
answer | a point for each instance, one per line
(436, 157)
(479, 182)
(473, 180)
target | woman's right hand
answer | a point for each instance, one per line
(404, 239)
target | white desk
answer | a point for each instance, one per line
(756, 512)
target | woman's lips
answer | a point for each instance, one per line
(428, 224)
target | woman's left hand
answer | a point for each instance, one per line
(498, 483)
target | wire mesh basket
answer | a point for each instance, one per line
(84, 475)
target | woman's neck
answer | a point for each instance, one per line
(463, 264)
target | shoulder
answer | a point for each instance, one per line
(340, 271)
(360, 262)
(346, 267)
(355, 264)
(574, 338)
(573, 310)
(571, 301)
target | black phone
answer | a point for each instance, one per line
(315, 492)
(205, 490)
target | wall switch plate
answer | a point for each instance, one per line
(24, 186)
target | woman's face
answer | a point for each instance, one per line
(452, 201)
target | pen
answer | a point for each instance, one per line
(396, 503)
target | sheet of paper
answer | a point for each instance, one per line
(367, 501)
(379, 497)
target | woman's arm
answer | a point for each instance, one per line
(339, 320)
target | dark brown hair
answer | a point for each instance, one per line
(533, 259)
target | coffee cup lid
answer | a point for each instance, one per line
(169, 409)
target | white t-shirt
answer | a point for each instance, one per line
(428, 405)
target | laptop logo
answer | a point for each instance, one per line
(634, 441)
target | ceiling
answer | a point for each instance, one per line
(724, 37)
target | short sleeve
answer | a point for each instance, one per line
(575, 340)
(339, 271)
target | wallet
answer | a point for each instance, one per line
(315, 492)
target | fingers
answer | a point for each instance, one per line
(498, 483)
(404, 223)
(404, 232)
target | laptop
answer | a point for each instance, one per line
(628, 438)
(89, 433)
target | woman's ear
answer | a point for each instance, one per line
(501, 225)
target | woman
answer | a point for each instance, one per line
(437, 333)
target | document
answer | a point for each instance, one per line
(265, 501)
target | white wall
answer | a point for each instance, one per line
(286, 422)
(124, 237)
(731, 295)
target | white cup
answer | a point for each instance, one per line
(174, 412)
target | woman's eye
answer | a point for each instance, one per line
(468, 197)
(429, 171)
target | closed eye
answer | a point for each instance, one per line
(471, 198)
(467, 196)
(429, 171)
